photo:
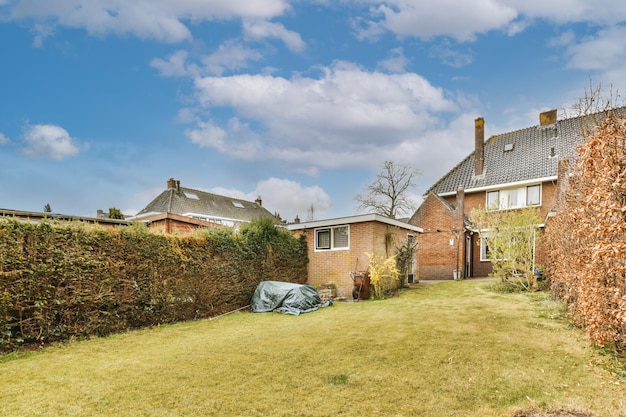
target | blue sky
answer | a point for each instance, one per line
(299, 102)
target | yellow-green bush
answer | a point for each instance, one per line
(384, 274)
(59, 281)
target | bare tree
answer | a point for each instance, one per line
(310, 213)
(387, 195)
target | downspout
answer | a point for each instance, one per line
(459, 228)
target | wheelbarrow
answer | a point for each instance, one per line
(361, 288)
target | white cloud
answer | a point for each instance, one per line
(231, 55)
(347, 111)
(464, 20)
(288, 198)
(3, 139)
(173, 66)
(157, 19)
(169, 20)
(603, 52)
(564, 39)
(608, 12)
(396, 62)
(262, 29)
(49, 141)
(450, 56)
(461, 20)
(41, 31)
(208, 135)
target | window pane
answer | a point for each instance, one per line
(484, 249)
(533, 195)
(510, 198)
(341, 237)
(492, 200)
(323, 239)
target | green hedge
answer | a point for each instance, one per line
(63, 281)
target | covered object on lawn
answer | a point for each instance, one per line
(285, 297)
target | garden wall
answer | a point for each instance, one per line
(62, 281)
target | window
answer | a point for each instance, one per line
(484, 248)
(533, 195)
(323, 239)
(508, 199)
(332, 238)
(493, 200)
(513, 198)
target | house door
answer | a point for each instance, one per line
(468, 256)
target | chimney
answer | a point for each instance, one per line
(259, 201)
(479, 153)
(460, 207)
(547, 118)
(178, 185)
(296, 220)
(171, 183)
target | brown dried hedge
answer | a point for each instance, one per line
(587, 238)
(63, 281)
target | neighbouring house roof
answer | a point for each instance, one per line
(353, 219)
(35, 216)
(526, 155)
(202, 205)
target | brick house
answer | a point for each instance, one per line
(179, 210)
(338, 247)
(522, 168)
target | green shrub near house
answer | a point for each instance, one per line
(66, 280)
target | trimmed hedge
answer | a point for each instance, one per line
(63, 281)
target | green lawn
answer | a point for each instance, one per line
(449, 349)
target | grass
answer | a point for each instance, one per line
(451, 349)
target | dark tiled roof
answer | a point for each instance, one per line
(186, 201)
(535, 154)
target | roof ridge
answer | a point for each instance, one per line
(567, 131)
(214, 194)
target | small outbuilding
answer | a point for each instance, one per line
(338, 248)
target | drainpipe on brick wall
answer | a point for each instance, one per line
(459, 228)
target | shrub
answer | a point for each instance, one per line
(512, 237)
(64, 280)
(384, 274)
(587, 238)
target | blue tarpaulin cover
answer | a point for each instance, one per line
(285, 297)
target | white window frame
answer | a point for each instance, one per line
(528, 202)
(332, 239)
(512, 198)
(484, 256)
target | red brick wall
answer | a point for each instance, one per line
(437, 258)
(334, 266)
